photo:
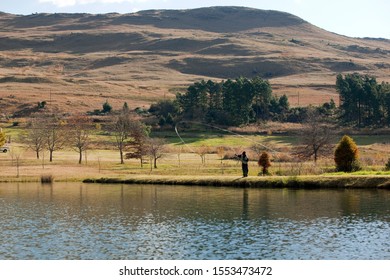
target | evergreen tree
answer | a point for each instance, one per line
(384, 92)
(232, 102)
(162, 121)
(363, 102)
(164, 108)
(169, 119)
(107, 108)
(346, 155)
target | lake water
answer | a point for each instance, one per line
(78, 221)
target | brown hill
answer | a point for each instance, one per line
(78, 61)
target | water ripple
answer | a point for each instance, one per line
(185, 223)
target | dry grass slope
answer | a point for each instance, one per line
(81, 60)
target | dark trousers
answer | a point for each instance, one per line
(245, 170)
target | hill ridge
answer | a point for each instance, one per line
(147, 55)
(220, 19)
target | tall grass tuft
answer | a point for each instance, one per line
(47, 179)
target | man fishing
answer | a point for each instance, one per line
(244, 163)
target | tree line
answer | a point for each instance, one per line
(47, 131)
(231, 103)
(363, 101)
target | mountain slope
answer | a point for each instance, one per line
(145, 56)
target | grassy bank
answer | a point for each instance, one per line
(309, 182)
(207, 158)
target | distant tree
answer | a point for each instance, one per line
(169, 119)
(107, 108)
(283, 103)
(46, 131)
(16, 156)
(221, 152)
(125, 108)
(164, 107)
(155, 149)
(238, 98)
(384, 91)
(35, 136)
(121, 131)
(138, 142)
(264, 162)
(346, 155)
(162, 121)
(80, 128)
(202, 151)
(230, 102)
(41, 105)
(193, 103)
(328, 108)
(54, 135)
(262, 98)
(316, 136)
(363, 102)
(279, 107)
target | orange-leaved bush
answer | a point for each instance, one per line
(264, 162)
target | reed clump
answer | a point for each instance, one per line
(47, 179)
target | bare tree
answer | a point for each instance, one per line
(45, 130)
(120, 130)
(129, 132)
(35, 136)
(155, 149)
(54, 136)
(16, 158)
(178, 150)
(202, 151)
(316, 137)
(221, 152)
(80, 128)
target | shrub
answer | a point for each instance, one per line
(47, 179)
(106, 107)
(41, 105)
(264, 162)
(346, 155)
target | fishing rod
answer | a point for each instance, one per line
(221, 129)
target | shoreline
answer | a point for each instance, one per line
(304, 182)
(297, 182)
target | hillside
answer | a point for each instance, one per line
(78, 61)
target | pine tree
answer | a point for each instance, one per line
(107, 108)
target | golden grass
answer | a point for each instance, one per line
(184, 167)
(80, 81)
